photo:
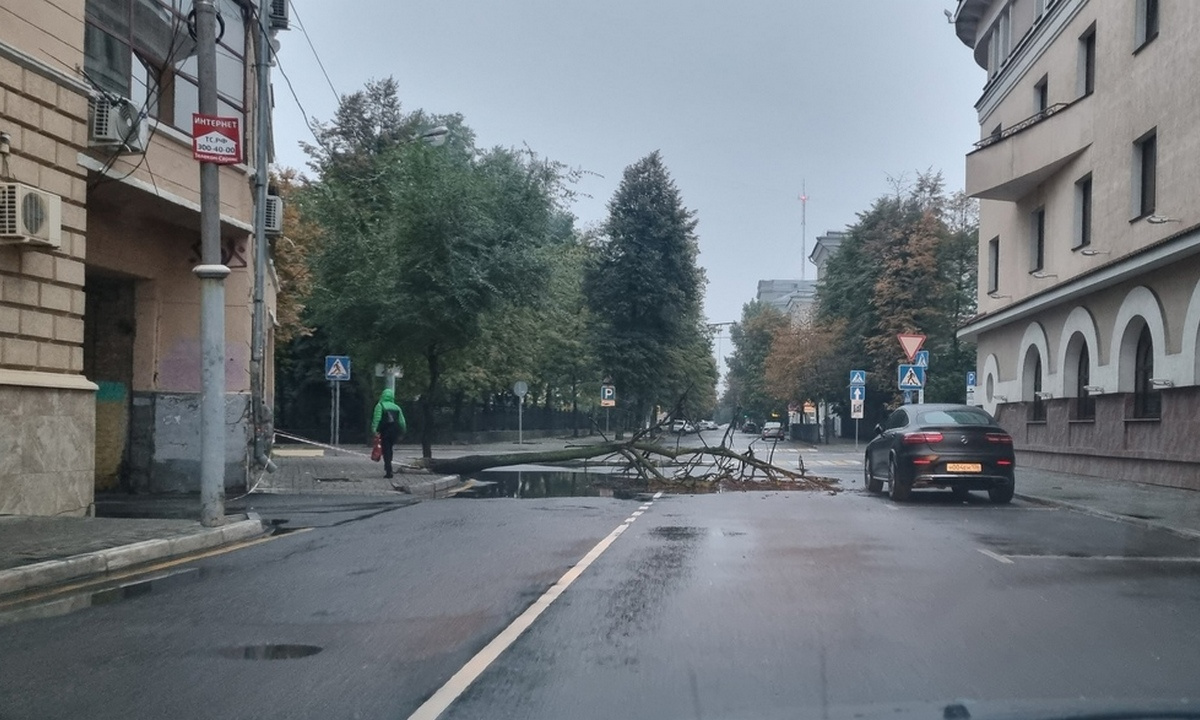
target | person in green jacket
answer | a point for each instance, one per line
(389, 422)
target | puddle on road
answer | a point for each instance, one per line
(269, 652)
(535, 484)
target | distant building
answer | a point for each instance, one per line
(798, 298)
(825, 248)
(1088, 174)
(791, 297)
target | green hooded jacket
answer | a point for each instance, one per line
(387, 404)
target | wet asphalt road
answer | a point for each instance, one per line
(729, 606)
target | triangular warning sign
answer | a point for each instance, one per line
(337, 369)
(911, 379)
(911, 344)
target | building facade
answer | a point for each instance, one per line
(99, 308)
(1088, 175)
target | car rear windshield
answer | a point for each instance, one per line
(772, 425)
(954, 417)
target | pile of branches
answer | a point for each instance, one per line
(655, 465)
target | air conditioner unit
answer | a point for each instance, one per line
(117, 123)
(29, 216)
(278, 15)
(274, 216)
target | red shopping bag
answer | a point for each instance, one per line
(377, 449)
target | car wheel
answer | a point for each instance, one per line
(874, 484)
(1002, 495)
(898, 490)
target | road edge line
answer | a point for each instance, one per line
(458, 683)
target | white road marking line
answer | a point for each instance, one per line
(891, 507)
(461, 680)
(995, 556)
(1132, 558)
(637, 514)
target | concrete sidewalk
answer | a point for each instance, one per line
(40, 552)
(1148, 505)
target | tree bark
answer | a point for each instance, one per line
(427, 400)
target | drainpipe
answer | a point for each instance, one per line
(258, 330)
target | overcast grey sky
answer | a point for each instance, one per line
(746, 100)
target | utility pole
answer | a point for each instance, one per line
(258, 329)
(212, 273)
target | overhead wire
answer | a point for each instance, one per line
(336, 97)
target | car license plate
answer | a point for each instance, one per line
(964, 467)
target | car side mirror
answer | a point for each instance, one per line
(878, 429)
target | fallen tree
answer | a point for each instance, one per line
(654, 463)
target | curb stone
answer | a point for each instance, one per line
(53, 572)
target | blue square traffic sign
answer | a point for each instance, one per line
(910, 377)
(337, 367)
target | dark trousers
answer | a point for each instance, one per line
(387, 441)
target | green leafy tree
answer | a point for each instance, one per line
(904, 267)
(746, 385)
(645, 291)
(421, 243)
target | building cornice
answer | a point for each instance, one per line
(27, 61)
(94, 165)
(1169, 250)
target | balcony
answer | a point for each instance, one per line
(1008, 166)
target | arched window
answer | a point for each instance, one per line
(1038, 410)
(1147, 400)
(1085, 404)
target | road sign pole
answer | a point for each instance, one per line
(332, 410)
(607, 413)
(521, 420)
(855, 433)
(337, 414)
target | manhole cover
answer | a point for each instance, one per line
(269, 652)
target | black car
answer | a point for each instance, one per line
(960, 447)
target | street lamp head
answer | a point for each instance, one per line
(435, 137)
(1161, 220)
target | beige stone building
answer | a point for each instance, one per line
(99, 308)
(1088, 175)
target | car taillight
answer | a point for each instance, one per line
(922, 461)
(1004, 463)
(922, 438)
(1000, 438)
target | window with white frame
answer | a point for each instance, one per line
(1041, 95)
(141, 50)
(999, 42)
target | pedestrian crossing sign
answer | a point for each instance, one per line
(858, 377)
(337, 367)
(911, 377)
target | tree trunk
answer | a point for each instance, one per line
(427, 401)
(574, 406)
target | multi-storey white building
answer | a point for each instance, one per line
(1088, 175)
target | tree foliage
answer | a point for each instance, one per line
(906, 266)
(746, 384)
(421, 243)
(645, 289)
